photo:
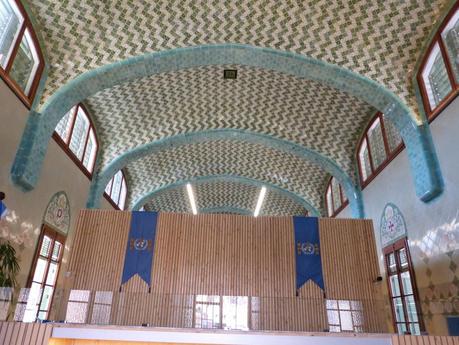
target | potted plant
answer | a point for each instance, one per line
(9, 265)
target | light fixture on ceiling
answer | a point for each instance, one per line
(191, 197)
(261, 197)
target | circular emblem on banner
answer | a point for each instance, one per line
(140, 244)
(307, 248)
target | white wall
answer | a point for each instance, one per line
(24, 222)
(433, 228)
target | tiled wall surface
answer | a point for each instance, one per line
(433, 228)
(22, 224)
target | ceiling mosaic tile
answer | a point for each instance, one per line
(306, 112)
(220, 195)
(378, 39)
(226, 157)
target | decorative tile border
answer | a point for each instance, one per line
(31, 152)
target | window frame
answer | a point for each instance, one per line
(65, 144)
(390, 155)
(108, 196)
(26, 99)
(343, 200)
(55, 236)
(394, 248)
(431, 114)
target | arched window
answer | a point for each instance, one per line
(438, 76)
(21, 60)
(378, 146)
(75, 133)
(335, 198)
(116, 190)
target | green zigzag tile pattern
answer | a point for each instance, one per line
(302, 111)
(226, 157)
(378, 39)
(224, 195)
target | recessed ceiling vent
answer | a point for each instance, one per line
(229, 73)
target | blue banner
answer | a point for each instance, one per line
(140, 246)
(3, 209)
(307, 251)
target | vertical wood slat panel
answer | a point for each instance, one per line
(424, 340)
(17, 333)
(224, 255)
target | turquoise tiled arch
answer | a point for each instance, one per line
(26, 167)
(101, 180)
(226, 178)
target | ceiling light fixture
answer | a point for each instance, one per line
(191, 197)
(261, 197)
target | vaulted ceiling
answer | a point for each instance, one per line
(380, 40)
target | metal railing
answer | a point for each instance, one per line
(195, 311)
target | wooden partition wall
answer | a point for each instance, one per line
(227, 255)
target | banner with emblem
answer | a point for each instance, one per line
(140, 246)
(307, 251)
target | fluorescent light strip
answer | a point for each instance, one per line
(191, 197)
(261, 197)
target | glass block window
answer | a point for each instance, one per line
(403, 294)
(21, 61)
(116, 190)
(42, 281)
(344, 315)
(439, 73)
(379, 145)
(76, 134)
(207, 313)
(335, 198)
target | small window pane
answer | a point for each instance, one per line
(450, 36)
(364, 159)
(394, 139)
(79, 134)
(52, 273)
(123, 196)
(346, 320)
(401, 328)
(329, 202)
(64, 126)
(10, 25)
(25, 63)
(411, 309)
(403, 258)
(394, 285)
(56, 250)
(46, 298)
(109, 187)
(116, 189)
(91, 150)
(392, 263)
(406, 283)
(336, 194)
(45, 246)
(414, 329)
(375, 137)
(398, 307)
(40, 269)
(435, 77)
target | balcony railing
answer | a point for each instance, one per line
(195, 311)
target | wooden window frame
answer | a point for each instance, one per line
(108, 196)
(393, 248)
(433, 113)
(343, 201)
(26, 99)
(55, 235)
(390, 155)
(65, 144)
